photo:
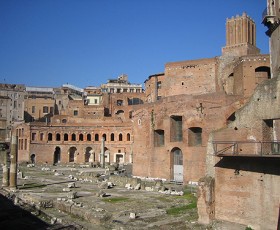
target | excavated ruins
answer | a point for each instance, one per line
(82, 197)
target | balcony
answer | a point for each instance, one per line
(247, 148)
(270, 20)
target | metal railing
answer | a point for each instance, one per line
(260, 148)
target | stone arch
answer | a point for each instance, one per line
(231, 118)
(262, 73)
(57, 155)
(72, 154)
(128, 136)
(120, 114)
(57, 137)
(88, 154)
(50, 136)
(33, 158)
(112, 136)
(177, 165)
(120, 137)
(107, 155)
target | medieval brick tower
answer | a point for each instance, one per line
(240, 36)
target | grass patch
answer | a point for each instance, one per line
(183, 209)
(116, 199)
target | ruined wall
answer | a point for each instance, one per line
(39, 104)
(246, 74)
(190, 77)
(154, 90)
(275, 39)
(207, 112)
(246, 187)
(247, 191)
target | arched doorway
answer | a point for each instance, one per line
(32, 158)
(72, 152)
(177, 165)
(107, 155)
(56, 155)
(88, 154)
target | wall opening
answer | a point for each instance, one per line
(49, 136)
(177, 165)
(176, 129)
(88, 154)
(56, 155)
(262, 73)
(96, 137)
(195, 136)
(33, 158)
(158, 138)
(72, 153)
(231, 118)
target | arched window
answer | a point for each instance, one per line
(49, 136)
(56, 157)
(57, 137)
(128, 137)
(231, 118)
(104, 136)
(41, 136)
(65, 137)
(112, 137)
(119, 102)
(88, 137)
(81, 137)
(96, 137)
(73, 137)
(262, 73)
(120, 137)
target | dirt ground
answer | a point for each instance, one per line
(75, 197)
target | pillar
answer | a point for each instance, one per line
(102, 154)
(5, 179)
(206, 200)
(13, 166)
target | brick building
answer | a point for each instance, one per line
(74, 132)
(191, 99)
(11, 107)
(164, 132)
(242, 165)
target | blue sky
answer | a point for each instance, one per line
(87, 42)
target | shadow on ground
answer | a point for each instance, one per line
(13, 217)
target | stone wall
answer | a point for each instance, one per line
(246, 185)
